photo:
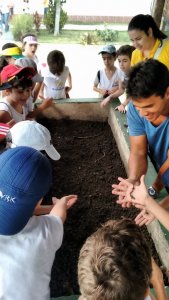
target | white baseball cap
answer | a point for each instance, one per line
(32, 134)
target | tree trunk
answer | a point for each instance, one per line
(57, 17)
(157, 11)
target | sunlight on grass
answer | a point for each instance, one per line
(75, 36)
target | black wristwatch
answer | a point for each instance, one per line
(152, 192)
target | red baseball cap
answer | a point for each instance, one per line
(11, 71)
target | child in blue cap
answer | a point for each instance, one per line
(108, 81)
(27, 243)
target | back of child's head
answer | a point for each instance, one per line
(56, 62)
(32, 134)
(125, 50)
(16, 77)
(115, 263)
(25, 178)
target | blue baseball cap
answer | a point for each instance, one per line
(25, 178)
(108, 49)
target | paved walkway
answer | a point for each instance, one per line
(83, 61)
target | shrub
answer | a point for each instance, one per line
(89, 39)
(21, 24)
(108, 35)
(63, 19)
(49, 19)
(37, 21)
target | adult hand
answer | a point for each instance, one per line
(139, 194)
(123, 190)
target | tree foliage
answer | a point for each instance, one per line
(49, 19)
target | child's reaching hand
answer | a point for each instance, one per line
(144, 218)
(105, 101)
(62, 205)
(121, 108)
(45, 104)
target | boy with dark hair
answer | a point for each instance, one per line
(27, 243)
(124, 54)
(108, 80)
(115, 263)
(20, 84)
(55, 78)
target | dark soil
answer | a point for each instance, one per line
(89, 164)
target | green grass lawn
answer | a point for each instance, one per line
(75, 37)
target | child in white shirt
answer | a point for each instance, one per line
(108, 81)
(54, 84)
(27, 243)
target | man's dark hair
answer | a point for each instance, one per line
(126, 50)
(146, 79)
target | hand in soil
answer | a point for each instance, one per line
(62, 205)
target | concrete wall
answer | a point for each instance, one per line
(100, 19)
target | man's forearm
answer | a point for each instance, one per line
(137, 166)
(165, 202)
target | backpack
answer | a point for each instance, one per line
(98, 75)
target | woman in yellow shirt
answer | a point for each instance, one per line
(148, 39)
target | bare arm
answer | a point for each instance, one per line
(165, 202)
(98, 90)
(158, 282)
(62, 205)
(121, 107)
(69, 79)
(44, 105)
(137, 163)
(118, 92)
(159, 212)
(5, 117)
(36, 90)
(41, 91)
(42, 210)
